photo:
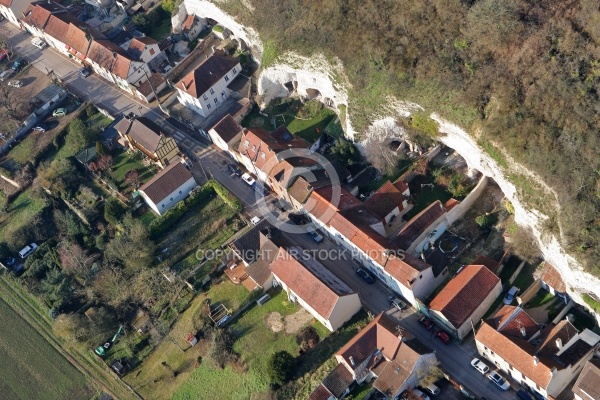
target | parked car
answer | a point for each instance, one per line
(167, 69)
(39, 43)
(366, 276)
(3, 55)
(480, 366)
(420, 394)
(498, 380)
(59, 112)
(443, 336)
(18, 64)
(432, 389)
(6, 74)
(255, 220)
(315, 235)
(298, 219)
(15, 83)
(426, 323)
(397, 302)
(510, 295)
(85, 72)
(27, 250)
(248, 179)
(524, 395)
(234, 169)
(42, 127)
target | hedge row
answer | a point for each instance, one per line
(162, 224)
(225, 195)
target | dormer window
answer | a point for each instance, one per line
(262, 154)
(208, 106)
(234, 71)
(216, 100)
(212, 91)
(253, 148)
(205, 97)
(246, 143)
(226, 78)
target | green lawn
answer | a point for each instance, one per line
(542, 297)
(307, 129)
(125, 162)
(590, 301)
(21, 211)
(24, 151)
(525, 277)
(426, 196)
(159, 32)
(31, 367)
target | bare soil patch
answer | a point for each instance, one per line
(274, 321)
(297, 320)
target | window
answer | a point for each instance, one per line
(226, 78)
(205, 97)
(212, 91)
(235, 71)
(163, 206)
(180, 192)
(151, 52)
(216, 100)
(246, 142)
(262, 154)
(171, 199)
(208, 106)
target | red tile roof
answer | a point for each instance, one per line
(345, 201)
(464, 293)
(259, 145)
(155, 80)
(111, 57)
(38, 14)
(419, 224)
(401, 185)
(380, 334)
(450, 204)
(166, 182)
(188, 23)
(320, 393)
(551, 277)
(6, 3)
(385, 200)
(338, 380)
(227, 128)
(511, 321)
(300, 190)
(564, 331)
(197, 82)
(587, 385)
(305, 284)
(519, 356)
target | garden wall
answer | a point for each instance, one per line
(459, 210)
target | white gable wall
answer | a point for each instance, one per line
(175, 197)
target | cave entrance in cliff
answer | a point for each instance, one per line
(312, 93)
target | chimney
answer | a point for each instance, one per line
(523, 331)
(559, 343)
(535, 360)
(351, 360)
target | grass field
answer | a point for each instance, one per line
(125, 162)
(31, 367)
(20, 213)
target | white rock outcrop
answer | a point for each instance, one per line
(206, 9)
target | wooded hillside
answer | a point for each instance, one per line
(525, 74)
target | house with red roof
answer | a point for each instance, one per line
(206, 88)
(168, 187)
(587, 386)
(13, 10)
(465, 299)
(389, 202)
(315, 288)
(543, 358)
(551, 280)
(422, 230)
(380, 351)
(226, 135)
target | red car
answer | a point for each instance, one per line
(2, 55)
(426, 323)
(443, 336)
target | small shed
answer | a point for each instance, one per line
(191, 339)
(141, 322)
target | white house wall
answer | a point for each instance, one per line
(439, 226)
(344, 309)
(175, 197)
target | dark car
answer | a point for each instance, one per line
(85, 72)
(298, 219)
(397, 302)
(524, 395)
(365, 275)
(443, 336)
(234, 169)
(18, 64)
(426, 323)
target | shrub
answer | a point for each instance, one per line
(225, 195)
(281, 367)
(307, 338)
(113, 210)
(486, 220)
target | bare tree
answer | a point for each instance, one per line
(132, 178)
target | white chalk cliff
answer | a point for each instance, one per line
(318, 73)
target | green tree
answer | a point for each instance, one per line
(113, 210)
(486, 220)
(345, 152)
(4, 251)
(101, 149)
(281, 367)
(143, 23)
(170, 6)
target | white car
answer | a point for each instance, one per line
(255, 220)
(480, 366)
(27, 250)
(15, 84)
(510, 295)
(248, 179)
(498, 380)
(39, 43)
